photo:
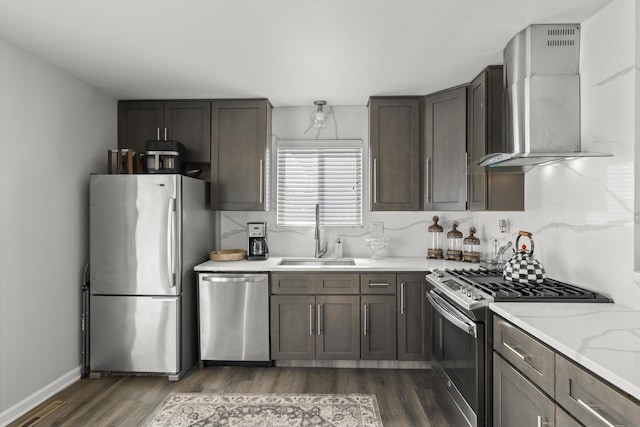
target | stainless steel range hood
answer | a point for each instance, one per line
(541, 98)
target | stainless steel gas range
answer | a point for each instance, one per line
(462, 337)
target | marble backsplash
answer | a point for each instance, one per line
(581, 213)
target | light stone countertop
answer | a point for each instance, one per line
(604, 338)
(400, 264)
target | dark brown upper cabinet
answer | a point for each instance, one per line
(394, 137)
(185, 121)
(490, 190)
(240, 141)
(445, 128)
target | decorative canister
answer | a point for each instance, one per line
(523, 267)
(454, 247)
(471, 244)
(435, 240)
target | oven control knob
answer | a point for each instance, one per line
(477, 297)
(464, 292)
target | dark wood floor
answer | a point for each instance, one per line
(405, 397)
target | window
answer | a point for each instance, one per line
(328, 172)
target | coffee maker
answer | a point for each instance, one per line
(258, 248)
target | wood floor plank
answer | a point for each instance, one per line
(405, 397)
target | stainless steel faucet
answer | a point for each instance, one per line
(319, 252)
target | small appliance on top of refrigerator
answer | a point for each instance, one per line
(147, 232)
(258, 247)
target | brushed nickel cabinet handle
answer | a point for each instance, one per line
(543, 423)
(261, 182)
(514, 351)
(375, 180)
(165, 134)
(378, 284)
(401, 298)
(365, 319)
(596, 414)
(319, 319)
(522, 357)
(157, 134)
(311, 319)
(428, 178)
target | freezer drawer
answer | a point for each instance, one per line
(234, 317)
(135, 334)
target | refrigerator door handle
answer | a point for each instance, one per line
(171, 242)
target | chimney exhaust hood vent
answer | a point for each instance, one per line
(541, 99)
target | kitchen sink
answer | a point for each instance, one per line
(316, 262)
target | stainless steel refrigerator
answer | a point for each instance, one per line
(147, 232)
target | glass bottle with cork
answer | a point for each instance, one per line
(454, 247)
(435, 240)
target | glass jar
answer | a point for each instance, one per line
(435, 240)
(471, 251)
(454, 247)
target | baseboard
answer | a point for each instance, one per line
(30, 402)
(369, 364)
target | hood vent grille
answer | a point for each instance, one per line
(569, 34)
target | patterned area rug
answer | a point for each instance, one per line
(267, 410)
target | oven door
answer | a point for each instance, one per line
(458, 361)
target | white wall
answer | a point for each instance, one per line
(581, 213)
(54, 131)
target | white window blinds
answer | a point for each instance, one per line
(319, 171)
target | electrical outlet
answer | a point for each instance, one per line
(377, 228)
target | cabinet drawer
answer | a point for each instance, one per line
(378, 283)
(292, 283)
(530, 356)
(337, 283)
(590, 400)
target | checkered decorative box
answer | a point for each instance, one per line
(522, 268)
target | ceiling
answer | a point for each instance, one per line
(290, 51)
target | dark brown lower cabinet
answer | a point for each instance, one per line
(378, 339)
(293, 327)
(323, 327)
(516, 401)
(414, 314)
(339, 324)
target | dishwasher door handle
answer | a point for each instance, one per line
(234, 278)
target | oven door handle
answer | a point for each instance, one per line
(447, 311)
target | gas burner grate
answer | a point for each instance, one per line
(492, 282)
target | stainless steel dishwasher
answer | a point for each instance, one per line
(233, 314)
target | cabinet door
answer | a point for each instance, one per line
(477, 122)
(337, 335)
(139, 121)
(446, 146)
(516, 401)
(189, 122)
(394, 137)
(565, 420)
(240, 136)
(490, 190)
(293, 327)
(414, 316)
(378, 340)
